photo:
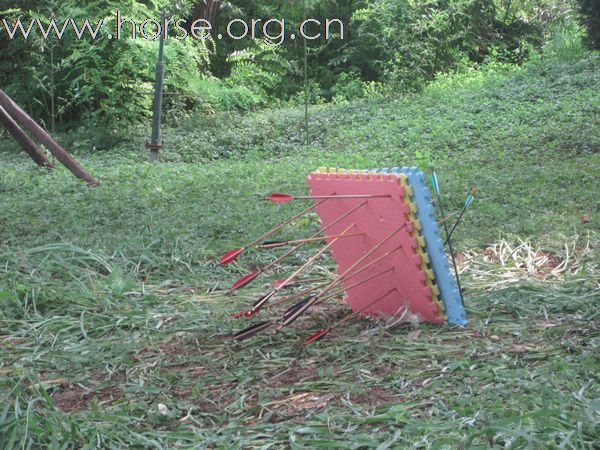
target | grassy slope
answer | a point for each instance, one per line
(104, 310)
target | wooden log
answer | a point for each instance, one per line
(24, 141)
(60, 153)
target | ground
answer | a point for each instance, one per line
(115, 330)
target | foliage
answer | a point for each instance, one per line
(262, 69)
(89, 79)
(389, 46)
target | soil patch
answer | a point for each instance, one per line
(71, 398)
(376, 397)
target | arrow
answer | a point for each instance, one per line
(302, 281)
(322, 333)
(250, 313)
(347, 275)
(468, 202)
(344, 275)
(312, 259)
(244, 281)
(277, 197)
(319, 297)
(251, 331)
(302, 241)
(232, 255)
(436, 188)
(257, 328)
(348, 288)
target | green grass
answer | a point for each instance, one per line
(114, 327)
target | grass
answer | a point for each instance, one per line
(114, 330)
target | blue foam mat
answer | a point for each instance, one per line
(434, 245)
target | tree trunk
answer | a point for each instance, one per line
(60, 153)
(26, 143)
(208, 10)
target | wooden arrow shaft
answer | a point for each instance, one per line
(343, 276)
(352, 286)
(317, 197)
(307, 240)
(275, 229)
(312, 259)
(346, 289)
(361, 310)
(292, 250)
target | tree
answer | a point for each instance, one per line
(590, 15)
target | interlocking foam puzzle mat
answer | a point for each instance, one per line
(419, 269)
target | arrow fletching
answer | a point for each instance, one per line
(244, 281)
(231, 256)
(434, 182)
(241, 313)
(277, 197)
(251, 331)
(470, 198)
(295, 308)
(315, 337)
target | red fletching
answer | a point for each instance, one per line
(244, 281)
(231, 256)
(246, 313)
(277, 282)
(315, 337)
(277, 197)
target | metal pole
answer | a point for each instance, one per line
(155, 144)
(306, 90)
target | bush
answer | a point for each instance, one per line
(100, 81)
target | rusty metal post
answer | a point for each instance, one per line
(155, 143)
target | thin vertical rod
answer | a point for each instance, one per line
(155, 144)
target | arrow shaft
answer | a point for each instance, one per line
(275, 229)
(312, 259)
(348, 288)
(465, 207)
(361, 310)
(441, 205)
(352, 286)
(449, 236)
(317, 197)
(307, 240)
(292, 250)
(343, 276)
